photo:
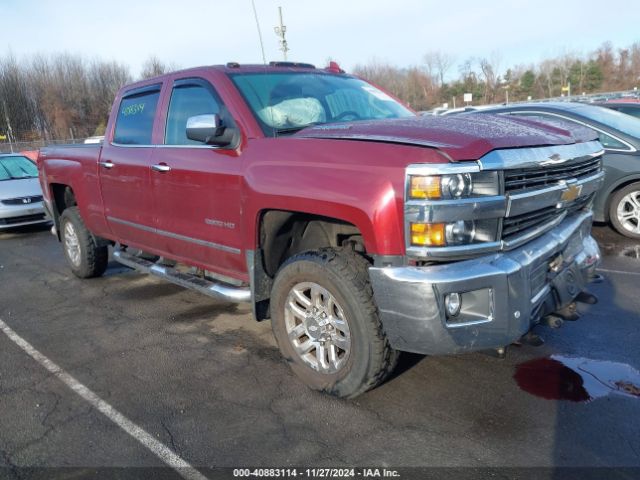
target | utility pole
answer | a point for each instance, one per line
(280, 31)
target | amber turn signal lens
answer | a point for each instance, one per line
(427, 234)
(424, 187)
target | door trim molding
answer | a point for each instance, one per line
(176, 236)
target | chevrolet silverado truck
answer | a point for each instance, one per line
(359, 228)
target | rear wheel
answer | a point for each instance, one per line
(326, 323)
(624, 210)
(83, 255)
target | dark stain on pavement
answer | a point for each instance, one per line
(577, 379)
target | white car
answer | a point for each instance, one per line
(20, 193)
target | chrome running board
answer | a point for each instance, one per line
(213, 289)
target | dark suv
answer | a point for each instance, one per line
(618, 201)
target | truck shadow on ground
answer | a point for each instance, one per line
(206, 312)
(150, 291)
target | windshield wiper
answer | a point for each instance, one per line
(279, 131)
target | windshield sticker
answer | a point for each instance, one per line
(377, 93)
(133, 109)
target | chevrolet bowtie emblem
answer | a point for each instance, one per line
(553, 160)
(571, 193)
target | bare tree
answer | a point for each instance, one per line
(438, 64)
(153, 67)
(489, 68)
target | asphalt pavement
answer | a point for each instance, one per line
(204, 380)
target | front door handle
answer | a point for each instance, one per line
(107, 164)
(161, 168)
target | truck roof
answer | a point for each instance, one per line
(234, 67)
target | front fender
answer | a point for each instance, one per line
(361, 183)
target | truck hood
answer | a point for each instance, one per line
(460, 137)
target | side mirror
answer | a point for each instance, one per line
(208, 129)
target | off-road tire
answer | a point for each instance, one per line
(93, 259)
(345, 275)
(616, 198)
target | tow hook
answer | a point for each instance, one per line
(553, 321)
(568, 313)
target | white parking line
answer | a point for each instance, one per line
(163, 452)
(617, 271)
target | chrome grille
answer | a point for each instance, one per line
(22, 200)
(517, 180)
(515, 226)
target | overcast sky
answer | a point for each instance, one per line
(204, 32)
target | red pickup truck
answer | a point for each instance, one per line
(357, 227)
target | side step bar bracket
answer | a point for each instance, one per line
(216, 290)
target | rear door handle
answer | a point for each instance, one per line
(107, 164)
(161, 168)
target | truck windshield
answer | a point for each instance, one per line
(290, 101)
(17, 167)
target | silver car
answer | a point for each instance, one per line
(20, 193)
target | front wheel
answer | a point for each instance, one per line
(624, 211)
(83, 255)
(326, 323)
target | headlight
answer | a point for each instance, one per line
(452, 234)
(460, 232)
(457, 185)
(452, 209)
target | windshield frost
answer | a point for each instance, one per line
(290, 101)
(12, 168)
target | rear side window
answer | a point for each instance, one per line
(134, 124)
(188, 100)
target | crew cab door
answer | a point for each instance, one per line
(196, 187)
(124, 169)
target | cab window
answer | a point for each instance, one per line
(137, 111)
(188, 99)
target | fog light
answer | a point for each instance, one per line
(452, 303)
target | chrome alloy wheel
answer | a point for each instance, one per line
(317, 327)
(72, 244)
(628, 212)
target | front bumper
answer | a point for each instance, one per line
(503, 294)
(20, 215)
